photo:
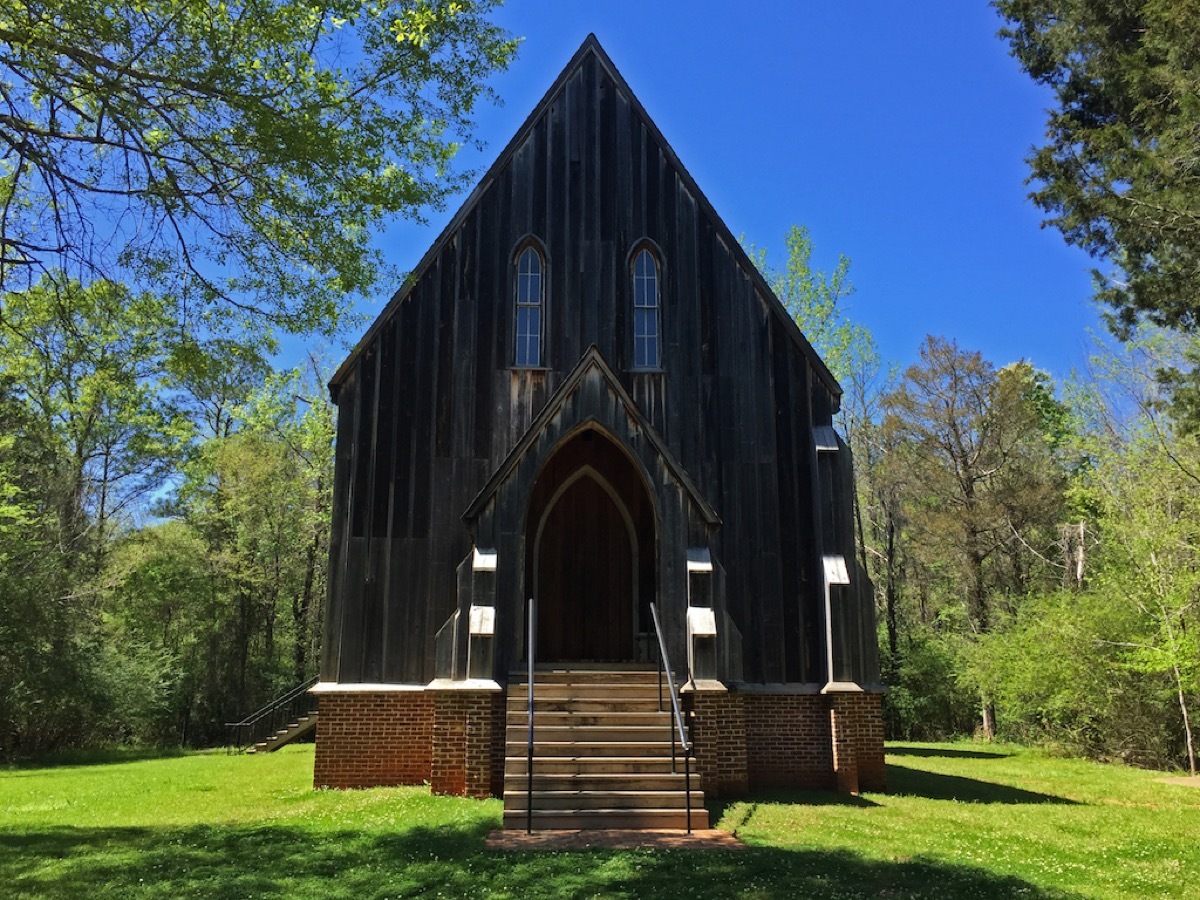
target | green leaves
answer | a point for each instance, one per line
(1119, 176)
(814, 299)
(238, 153)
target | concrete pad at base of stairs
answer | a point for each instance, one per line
(614, 839)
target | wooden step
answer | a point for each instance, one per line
(519, 695)
(579, 799)
(637, 749)
(584, 704)
(592, 734)
(589, 765)
(604, 781)
(572, 820)
(587, 676)
(602, 754)
(547, 718)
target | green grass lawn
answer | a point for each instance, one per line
(960, 820)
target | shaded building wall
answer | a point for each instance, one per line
(431, 406)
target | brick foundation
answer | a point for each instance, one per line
(454, 740)
(857, 721)
(373, 739)
(719, 735)
(468, 744)
(788, 741)
(750, 740)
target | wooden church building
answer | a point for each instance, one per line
(587, 395)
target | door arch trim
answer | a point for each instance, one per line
(587, 471)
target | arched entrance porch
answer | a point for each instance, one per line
(591, 552)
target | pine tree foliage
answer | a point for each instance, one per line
(1119, 175)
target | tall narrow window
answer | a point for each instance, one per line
(645, 311)
(528, 341)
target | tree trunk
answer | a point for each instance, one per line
(1187, 722)
(891, 600)
(988, 710)
(300, 610)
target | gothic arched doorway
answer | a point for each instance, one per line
(590, 552)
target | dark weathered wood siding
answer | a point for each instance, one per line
(429, 406)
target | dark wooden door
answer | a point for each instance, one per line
(585, 578)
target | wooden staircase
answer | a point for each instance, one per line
(602, 754)
(280, 722)
(299, 727)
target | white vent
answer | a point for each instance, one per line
(701, 622)
(825, 438)
(483, 621)
(835, 570)
(699, 560)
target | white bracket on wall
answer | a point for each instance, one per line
(836, 572)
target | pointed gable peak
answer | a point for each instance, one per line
(591, 49)
(590, 46)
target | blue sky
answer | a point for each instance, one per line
(896, 132)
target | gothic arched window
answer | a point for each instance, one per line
(527, 343)
(646, 330)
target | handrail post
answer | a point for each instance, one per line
(687, 786)
(658, 653)
(532, 628)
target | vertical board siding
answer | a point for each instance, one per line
(433, 405)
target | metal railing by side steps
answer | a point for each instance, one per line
(260, 725)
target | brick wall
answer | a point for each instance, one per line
(858, 722)
(468, 743)
(788, 741)
(373, 738)
(719, 735)
(750, 740)
(455, 741)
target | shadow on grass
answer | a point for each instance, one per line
(906, 782)
(63, 758)
(718, 807)
(946, 752)
(277, 861)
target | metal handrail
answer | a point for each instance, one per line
(532, 627)
(664, 662)
(264, 722)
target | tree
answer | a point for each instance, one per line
(815, 301)
(1146, 476)
(234, 151)
(90, 363)
(46, 650)
(1119, 175)
(975, 479)
(218, 608)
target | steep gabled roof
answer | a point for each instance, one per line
(591, 48)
